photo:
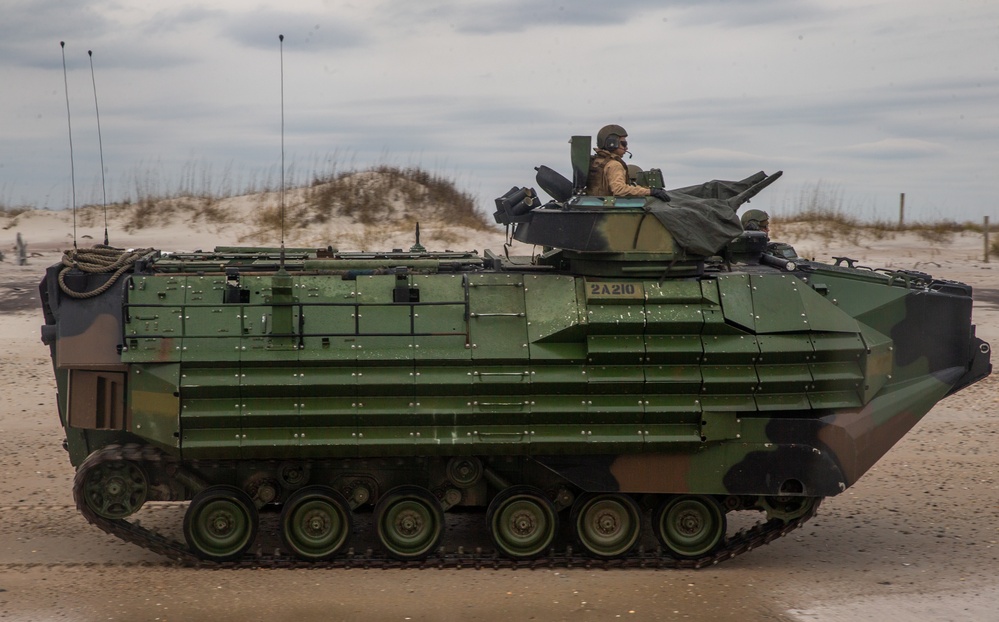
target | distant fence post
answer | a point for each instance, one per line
(986, 239)
(22, 251)
(901, 210)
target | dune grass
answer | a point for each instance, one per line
(821, 208)
(376, 196)
(369, 197)
(402, 196)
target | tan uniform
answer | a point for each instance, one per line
(609, 177)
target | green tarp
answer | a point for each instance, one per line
(702, 218)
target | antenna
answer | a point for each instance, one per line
(100, 144)
(72, 169)
(281, 44)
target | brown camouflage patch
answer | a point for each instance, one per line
(652, 472)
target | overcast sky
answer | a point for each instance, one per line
(861, 100)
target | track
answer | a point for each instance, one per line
(461, 527)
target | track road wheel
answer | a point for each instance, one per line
(606, 525)
(522, 522)
(221, 523)
(690, 526)
(315, 523)
(410, 522)
(115, 489)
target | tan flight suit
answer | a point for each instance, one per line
(609, 177)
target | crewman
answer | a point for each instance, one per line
(756, 220)
(608, 174)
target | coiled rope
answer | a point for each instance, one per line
(97, 260)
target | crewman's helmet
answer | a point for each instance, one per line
(756, 220)
(609, 137)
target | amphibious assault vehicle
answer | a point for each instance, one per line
(648, 371)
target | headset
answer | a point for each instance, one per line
(612, 135)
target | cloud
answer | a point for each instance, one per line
(520, 15)
(30, 31)
(512, 16)
(178, 20)
(891, 148)
(260, 29)
(741, 14)
(720, 158)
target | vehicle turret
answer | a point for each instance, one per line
(630, 236)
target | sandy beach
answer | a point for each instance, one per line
(916, 539)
